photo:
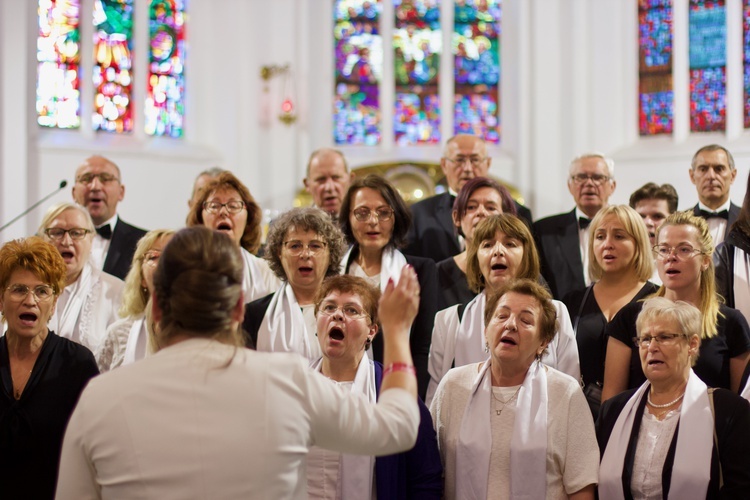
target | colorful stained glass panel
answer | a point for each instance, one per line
(656, 99)
(708, 34)
(476, 49)
(358, 67)
(417, 45)
(113, 62)
(165, 97)
(58, 102)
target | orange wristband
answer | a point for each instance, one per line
(399, 367)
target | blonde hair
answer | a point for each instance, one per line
(134, 296)
(709, 301)
(643, 262)
(55, 211)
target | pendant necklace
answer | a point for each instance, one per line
(497, 398)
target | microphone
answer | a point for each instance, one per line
(63, 183)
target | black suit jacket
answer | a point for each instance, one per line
(732, 420)
(559, 253)
(432, 233)
(121, 249)
(734, 212)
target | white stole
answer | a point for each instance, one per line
(356, 471)
(470, 335)
(391, 264)
(283, 327)
(254, 283)
(741, 283)
(528, 445)
(746, 391)
(691, 471)
(136, 346)
(65, 322)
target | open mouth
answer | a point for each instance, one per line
(655, 362)
(66, 255)
(28, 318)
(305, 270)
(224, 226)
(373, 234)
(672, 272)
(609, 257)
(499, 267)
(508, 341)
(336, 334)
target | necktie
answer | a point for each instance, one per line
(724, 214)
(583, 222)
(105, 231)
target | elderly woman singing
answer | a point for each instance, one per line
(673, 437)
(511, 427)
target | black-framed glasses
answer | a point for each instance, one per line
(682, 252)
(19, 292)
(214, 207)
(296, 247)
(597, 179)
(350, 311)
(58, 233)
(664, 339)
(103, 177)
(382, 214)
(461, 160)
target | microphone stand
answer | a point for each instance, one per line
(63, 183)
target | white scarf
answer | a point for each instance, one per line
(528, 445)
(742, 282)
(391, 264)
(356, 471)
(746, 391)
(72, 321)
(254, 284)
(691, 470)
(136, 346)
(470, 335)
(283, 328)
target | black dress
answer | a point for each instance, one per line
(454, 289)
(732, 339)
(590, 323)
(32, 428)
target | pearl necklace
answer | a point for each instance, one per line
(651, 404)
(497, 398)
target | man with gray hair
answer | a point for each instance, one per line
(562, 240)
(713, 173)
(328, 179)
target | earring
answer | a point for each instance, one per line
(144, 290)
(486, 347)
(368, 343)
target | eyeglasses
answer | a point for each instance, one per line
(597, 179)
(350, 311)
(663, 339)
(363, 214)
(461, 160)
(42, 293)
(58, 233)
(296, 247)
(152, 257)
(104, 178)
(682, 252)
(214, 207)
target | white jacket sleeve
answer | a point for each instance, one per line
(565, 356)
(442, 348)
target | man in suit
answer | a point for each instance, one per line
(713, 173)
(98, 187)
(328, 179)
(432, 233)
(562, 240)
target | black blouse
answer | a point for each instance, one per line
(732, 339)
(454, 289)
(32, 428)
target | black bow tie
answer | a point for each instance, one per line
(583, 222)
(105, 231)
(724, 214)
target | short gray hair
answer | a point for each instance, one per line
(54, 212)
(607, 161)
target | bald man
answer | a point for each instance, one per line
(99, 189)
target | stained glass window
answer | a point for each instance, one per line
(165, 106)
(417, 44)
(655, 95)
(58, 57)
(359, 65)
(708, 34)
(113, 38)
(746, 58)
(476, 49)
